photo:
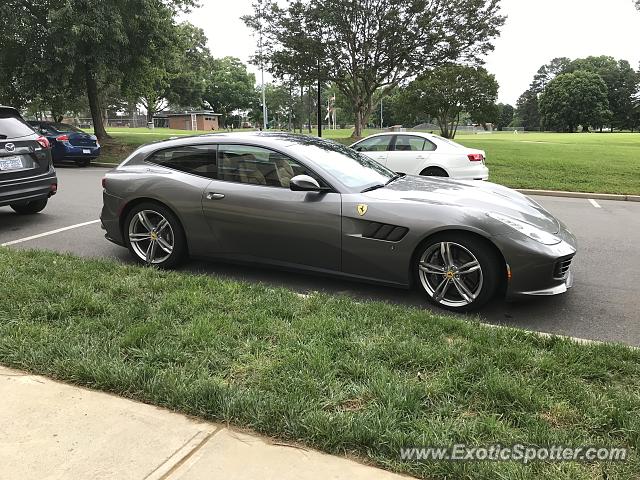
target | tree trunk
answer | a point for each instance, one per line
(94, 104)
(357, 129)
(309, 107)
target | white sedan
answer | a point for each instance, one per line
(424, 154)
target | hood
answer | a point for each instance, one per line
(480, 196)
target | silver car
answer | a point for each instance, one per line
(300, 202)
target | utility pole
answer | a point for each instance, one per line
(381, 121)
(264, 100)
(319, 105)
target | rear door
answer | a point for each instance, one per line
(20, 153)
(408, 153)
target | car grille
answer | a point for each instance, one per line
(381, 231)
(561, 268)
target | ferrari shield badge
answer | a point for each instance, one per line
(362, 208)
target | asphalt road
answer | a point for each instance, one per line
(604, 303)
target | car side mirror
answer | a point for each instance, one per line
(357, 149)
(304, 183)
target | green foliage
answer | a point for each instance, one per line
(505, 115)
(345, 376)
(528, 112)
(367, 48)
(574, 99)
(229, 87)
(446, 92)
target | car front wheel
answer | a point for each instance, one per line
(154, 235)
(458, 272)
(30, 208)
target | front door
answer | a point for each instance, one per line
(253, 214)
(375, 147)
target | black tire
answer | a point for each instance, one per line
(30, 208)
(483, 284)
(85, 162)
(434, 172)
(179, 250)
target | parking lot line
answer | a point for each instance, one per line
(594, 203)
(46, 234)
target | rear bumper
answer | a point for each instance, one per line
(475, 172)
(67, 151)
(20, 190)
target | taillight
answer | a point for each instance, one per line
(475, 157)
(62, 138)
(53, 189)
(44, 143)
(104, 182)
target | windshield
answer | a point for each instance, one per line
(348, 166)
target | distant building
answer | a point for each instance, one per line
(200, 120)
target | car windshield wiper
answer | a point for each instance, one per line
(373, 187)
(396, 177)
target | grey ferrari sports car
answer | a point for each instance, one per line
(300, 202)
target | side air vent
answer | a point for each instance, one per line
(381, 231)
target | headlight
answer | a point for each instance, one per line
(527, 229)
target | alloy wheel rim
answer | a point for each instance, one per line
(151, 236)
(450, 274)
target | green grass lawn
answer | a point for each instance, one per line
(603, 163)
(360, 378)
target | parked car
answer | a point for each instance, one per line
(27, 176)
(302, 202)
(69, 143)
(424, 154)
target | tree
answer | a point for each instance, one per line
(446, 92)
(505, 115)
(548, 72)
(527, 110)
(620, 79)
(574, 99)
(95, 43)
(369, 47)
(173, 72)
(230, 87)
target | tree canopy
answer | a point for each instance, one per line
(446, 92)
(369, 47)
(573, 99)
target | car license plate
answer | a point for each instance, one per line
(10, 163)
(86, 150)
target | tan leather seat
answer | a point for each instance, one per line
(248, 170)
(284, 171)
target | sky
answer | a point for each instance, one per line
(535, 32)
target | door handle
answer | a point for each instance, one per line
(215, 196)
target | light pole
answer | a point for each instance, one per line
(264, 100)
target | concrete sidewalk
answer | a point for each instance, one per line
(51, 430)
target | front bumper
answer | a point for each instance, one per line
(535, 269)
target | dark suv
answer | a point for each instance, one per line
(27, 176)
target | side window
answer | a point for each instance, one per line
(429, 146)
(409, 143)
(196, 159)
(258, 166)
(374, 144)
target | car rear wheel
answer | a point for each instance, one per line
(30, 208)
(434, 172)
(458, 272)
(154, 235)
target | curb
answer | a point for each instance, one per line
(525, 191)
(593, 196)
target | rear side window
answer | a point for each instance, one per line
(408, 143)
(195, 159)
(12, 126)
